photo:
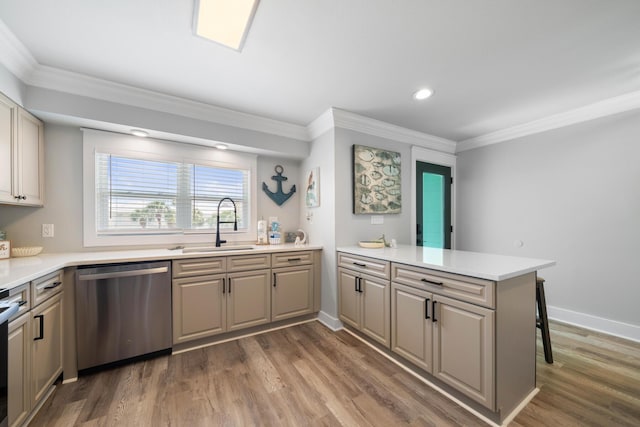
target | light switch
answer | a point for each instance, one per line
(377, 219)
(47, 230)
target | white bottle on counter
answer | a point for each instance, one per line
(262, 232)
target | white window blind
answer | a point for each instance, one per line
(135, 195)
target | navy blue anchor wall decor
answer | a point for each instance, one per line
(278, 196)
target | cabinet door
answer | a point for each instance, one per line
(199, 308)
(464, 348)
(291, 292)
(30, 159)
(412, 328)
(348, 298)
(46, 347)
(248, 299)
(7, 155)
(375, 321)
(19, 402)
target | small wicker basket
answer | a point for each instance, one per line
(26, 251)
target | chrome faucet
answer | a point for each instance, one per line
(218, 222)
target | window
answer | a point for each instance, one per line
(147, 191)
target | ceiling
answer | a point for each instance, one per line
(493, 64)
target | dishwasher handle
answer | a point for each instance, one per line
(119, 274)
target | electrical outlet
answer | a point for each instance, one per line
(47, 230)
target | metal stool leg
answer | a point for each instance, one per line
(542, 322)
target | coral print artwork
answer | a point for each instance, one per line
(312, 191)
(376, 181)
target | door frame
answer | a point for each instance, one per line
(419, 154)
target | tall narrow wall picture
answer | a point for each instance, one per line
(376, 181)
(312, 190)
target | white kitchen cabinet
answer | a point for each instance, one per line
(412, 328)
(46, 348)
(199, 307)
(21, 156)
(216, 295)
(463, 348)
(8, 114)
(207, 304)
(450, 339)
(292, 287)
(363, 303)
(248, 299)
(19, 379)
(35, 344)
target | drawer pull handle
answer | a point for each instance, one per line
(294, 259)
(53, 285)
(431, 282)
(360, 264)
(23, 302)
(41, 318)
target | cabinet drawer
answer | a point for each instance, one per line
(248, 262)
(20, 295)
(290, 259)
(372, 266)
(198, 266)
(464, 288)
(45, 287)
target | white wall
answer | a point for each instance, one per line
(63, 196)
(351, 228)
(319, 222)
(289, 213)
(11, 86)
(571, 195)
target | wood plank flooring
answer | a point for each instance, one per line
(307, 375)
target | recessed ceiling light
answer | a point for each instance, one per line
(224, 21)
(140, 133)
(423, 94)
(222, 146)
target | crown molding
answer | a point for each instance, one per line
(321, 125)
(83, 85)
(21, 63)
(607, 107)
(347, 120)
(15, 56)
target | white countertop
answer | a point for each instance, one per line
(16, 271)
(474, 264)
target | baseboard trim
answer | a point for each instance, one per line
(329, 321)
(594, 323)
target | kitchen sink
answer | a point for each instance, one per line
(215, 249)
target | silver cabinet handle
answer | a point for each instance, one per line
(117, 274)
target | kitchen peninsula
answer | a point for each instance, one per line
(464, 321)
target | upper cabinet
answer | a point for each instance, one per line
(21, 156)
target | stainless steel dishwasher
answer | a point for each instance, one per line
(122, 311)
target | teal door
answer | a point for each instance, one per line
(433, 205)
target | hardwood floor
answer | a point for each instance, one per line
(307, 375)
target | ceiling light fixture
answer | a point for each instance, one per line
(222, 146)
(140, 133)
(422, 94)
(224, 21)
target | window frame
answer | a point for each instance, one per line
(159, 150)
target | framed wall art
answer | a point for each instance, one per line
(312, 189)
(376, 181)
